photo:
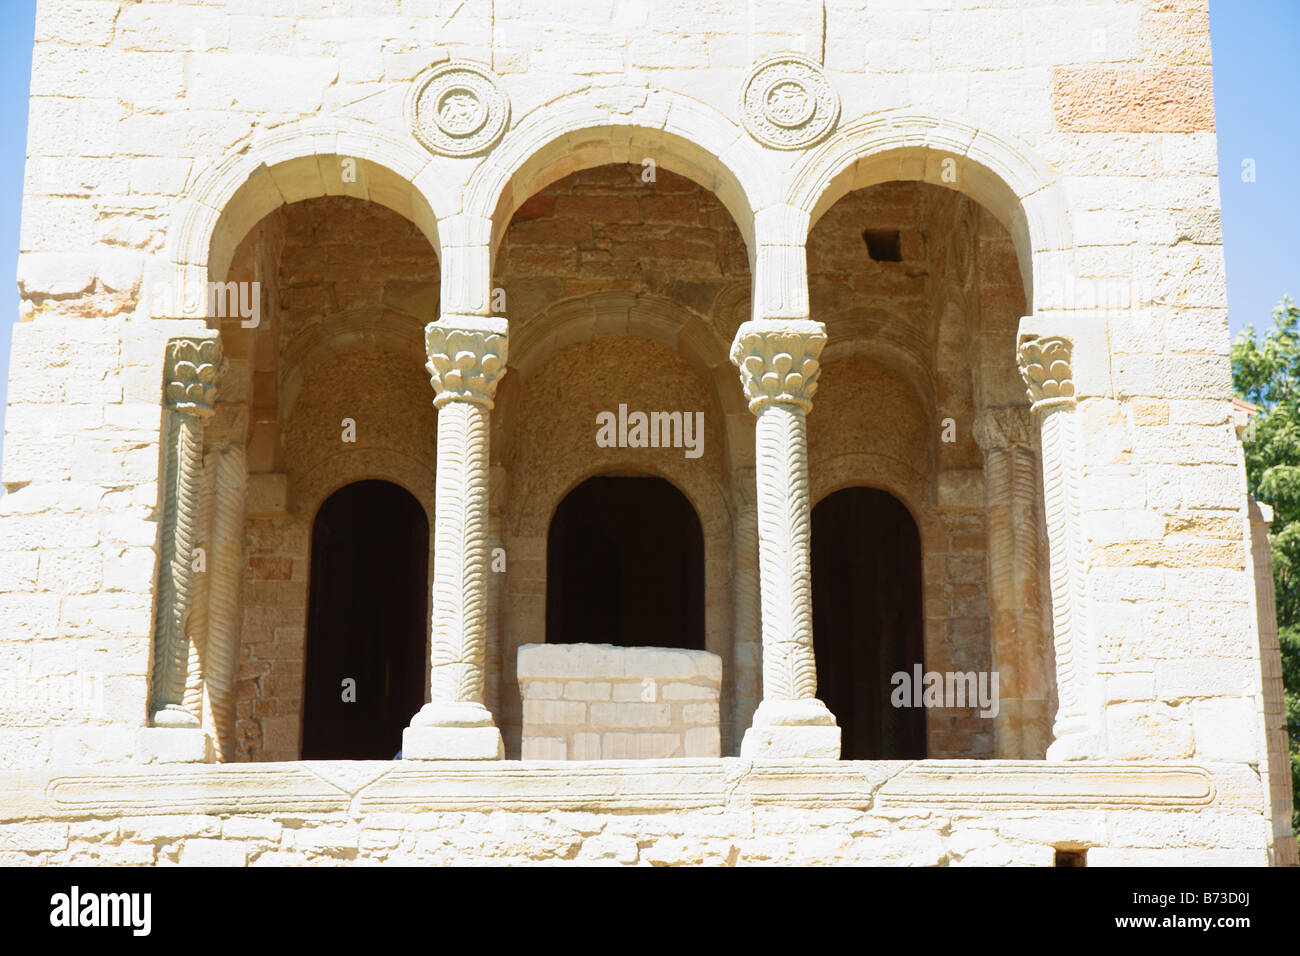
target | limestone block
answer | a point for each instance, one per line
(1226, 729)
(452, 743)
(778, 743)
(213, 853)
(175, 745)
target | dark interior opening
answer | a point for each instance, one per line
(883, 245)
(867, 620)
(1071, 857)
(625, 566)
(367, 619)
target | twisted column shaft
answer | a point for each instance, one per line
(191, 368)
(467, 357)
(1045, 365)
(778, 363)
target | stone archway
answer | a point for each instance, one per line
(868, 622)
(366, 622)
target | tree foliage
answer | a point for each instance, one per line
(1268, 374)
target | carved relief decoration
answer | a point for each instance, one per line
(458, 108)
(786, 102)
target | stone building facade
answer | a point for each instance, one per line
(947, 275)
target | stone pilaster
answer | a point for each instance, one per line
(778, 363)
(192, 366)
(467, 357)
(1020, 652)
(1046, 365)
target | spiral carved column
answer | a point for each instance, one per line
(1045, 365)
(1020, 651)
(778, 363)
(467, 357)
(191, 370)
(221, 660)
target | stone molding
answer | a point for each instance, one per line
(786, 102)
(458, 108)
(649, 785)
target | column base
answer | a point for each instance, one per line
(1075, 746)
(176, 745)
(452, 731)
(792, 729)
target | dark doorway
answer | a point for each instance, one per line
(867, 620)
(625, 566)
(367, 618)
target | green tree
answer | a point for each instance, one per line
(1268, 375)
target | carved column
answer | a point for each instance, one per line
(467, 357)
(191, 371)
(746, 618)
(225, 564)
(778, 367)
(1045, 365)
(1020, 653)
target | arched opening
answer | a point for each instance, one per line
(625, 566)
(867, 620)
(367, 620)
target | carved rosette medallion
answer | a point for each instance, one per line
(458, 109)
(1045, 367)
(779, 362)
(786, 102)
(465, 364)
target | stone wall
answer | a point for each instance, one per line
(600, 702)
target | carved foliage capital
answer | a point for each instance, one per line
(465, 361)
(778, 361)
(192, 367)
(1045, 365)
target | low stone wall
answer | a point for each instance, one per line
(724, 812)
(601, 702)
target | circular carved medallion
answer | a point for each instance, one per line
(786, 102)
(458, 109)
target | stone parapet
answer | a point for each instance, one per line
(598, 701)
(924, 813)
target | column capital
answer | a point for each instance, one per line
(778, 361)
(1046, 365)
(191, 368)
(467, 357)
(1006, 426)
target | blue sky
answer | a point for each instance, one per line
(1256, 85)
